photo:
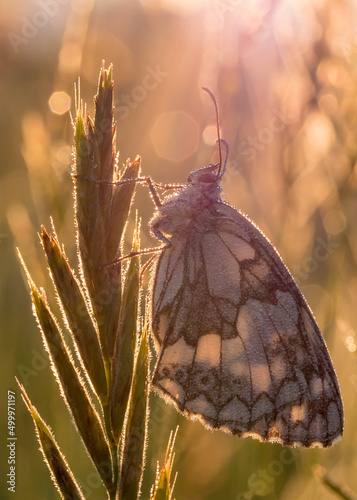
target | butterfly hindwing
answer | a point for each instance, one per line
(239, 347)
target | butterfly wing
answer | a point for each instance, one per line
(239, 347)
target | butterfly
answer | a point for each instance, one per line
(238, 346)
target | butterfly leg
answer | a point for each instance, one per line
(109, 183)
(156, 199)
(154, 194)
(158, 234)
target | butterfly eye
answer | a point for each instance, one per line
(201, 177)
(208, 178)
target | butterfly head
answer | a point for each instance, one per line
(205, 176)
(209, 177)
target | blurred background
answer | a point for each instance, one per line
(284, 74)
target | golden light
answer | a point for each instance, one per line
(350, 343)
(175, 136)
(59, 102)
(209, 135)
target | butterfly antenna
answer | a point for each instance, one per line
(226, 145)
(219, 140)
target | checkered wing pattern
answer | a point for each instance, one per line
(239, 348)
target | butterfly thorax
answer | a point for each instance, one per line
(193, 209)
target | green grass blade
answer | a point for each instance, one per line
(76, 315)
(163, 489)
(61, 474)
(341, 491)
(132, 464)
(73, 390)
(102, 210)
(126, 343)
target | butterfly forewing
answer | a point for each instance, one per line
(239, 348)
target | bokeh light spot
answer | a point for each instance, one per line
(210, 135)
(320, 133)
(350, 343)
(59, 102)
(334, 222)
(175, 136)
